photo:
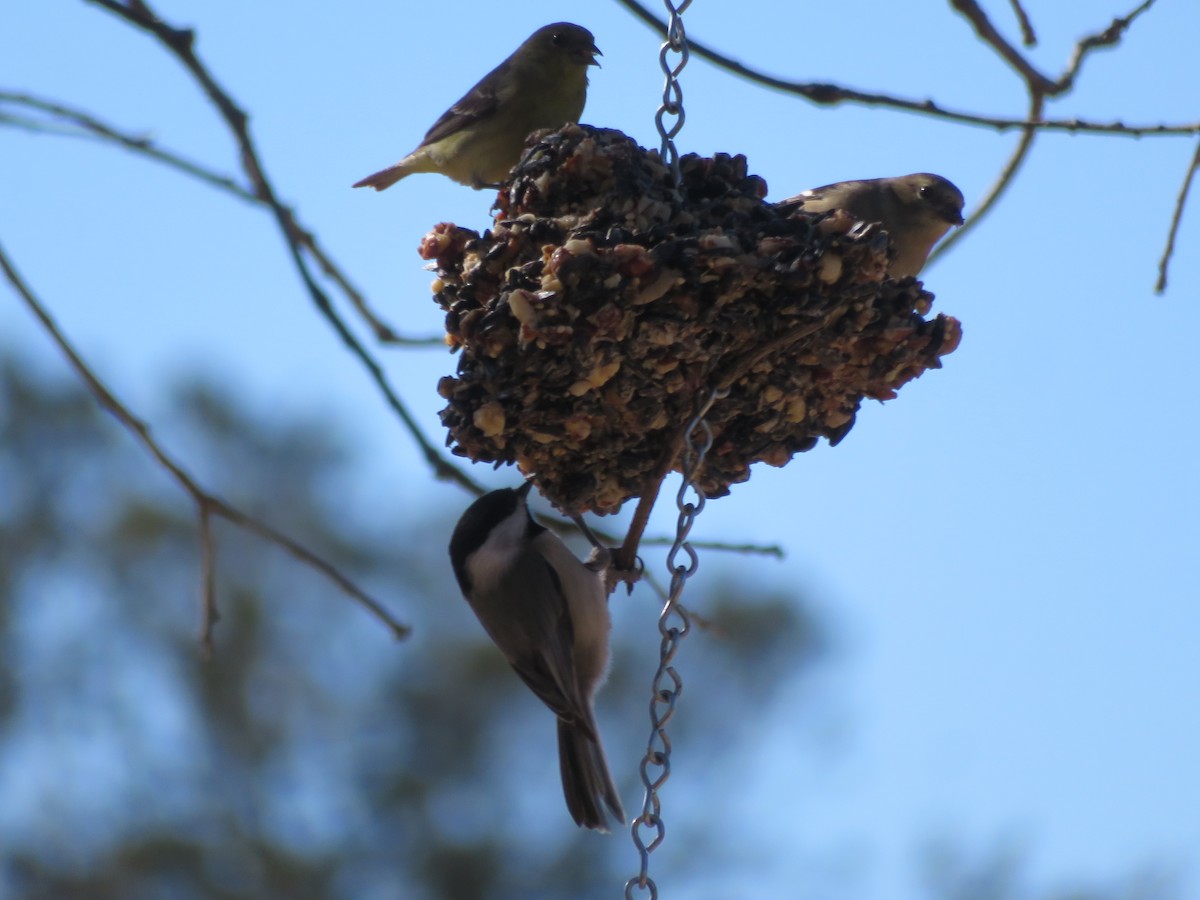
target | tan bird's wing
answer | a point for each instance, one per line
(820, 198)
(813, 197)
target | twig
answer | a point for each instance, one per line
(81, 124)
(1039, 87)
(699, 620)
(1037, 81)
(999, 186)
(1106, 38)
(1161, 285)
(832, 94)
(625, 557)
(774, 550)
(207, 503)
(180, 41)
(302, 553)
(987, 32)
(1028, 37)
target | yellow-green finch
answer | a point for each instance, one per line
(478, 139)
(915, 211)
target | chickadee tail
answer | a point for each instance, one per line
(385, 178)
(587, 783)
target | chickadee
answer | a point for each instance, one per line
(548, 614)
(915, 211)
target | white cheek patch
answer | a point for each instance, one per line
(495, 556)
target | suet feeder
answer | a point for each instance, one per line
(604, 301)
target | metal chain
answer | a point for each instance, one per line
(672, 102)
(667, 686)
(697, 443)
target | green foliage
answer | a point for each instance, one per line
(313, 757)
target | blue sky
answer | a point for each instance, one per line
(1007, 551)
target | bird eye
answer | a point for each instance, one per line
(556, 39)
(924, 191)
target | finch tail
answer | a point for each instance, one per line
(385, 178)
(587, 783)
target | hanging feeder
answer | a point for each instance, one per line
(604, 300)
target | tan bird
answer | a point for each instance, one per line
(478, 139)
(915, 211)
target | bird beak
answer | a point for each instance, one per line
(951, 214)
(594, 53)
(523, 490)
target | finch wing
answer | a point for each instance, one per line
(791, 204)
(863, 198)
(478, 103)
(813, 196)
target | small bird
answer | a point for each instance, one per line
(548, 614)
(478, 139)
(915, 211)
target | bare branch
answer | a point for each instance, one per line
(207, 503)
(70, 122)
(624, 558)
(999, 186)
(987, 32)
(1106, 38)
(832, 94)
(384, 333)
(1036, 81)
(1180, 201)
(774, 550)
(81, 124)
(302, 553)
(180, 41)
(1038, 85)
(1028, 37)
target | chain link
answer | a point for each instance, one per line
(673, 622)
(672, 102)
(656, 764)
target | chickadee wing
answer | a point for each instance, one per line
(536, 635)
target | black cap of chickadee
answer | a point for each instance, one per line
(548, 614)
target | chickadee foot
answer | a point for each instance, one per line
(628, 577)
